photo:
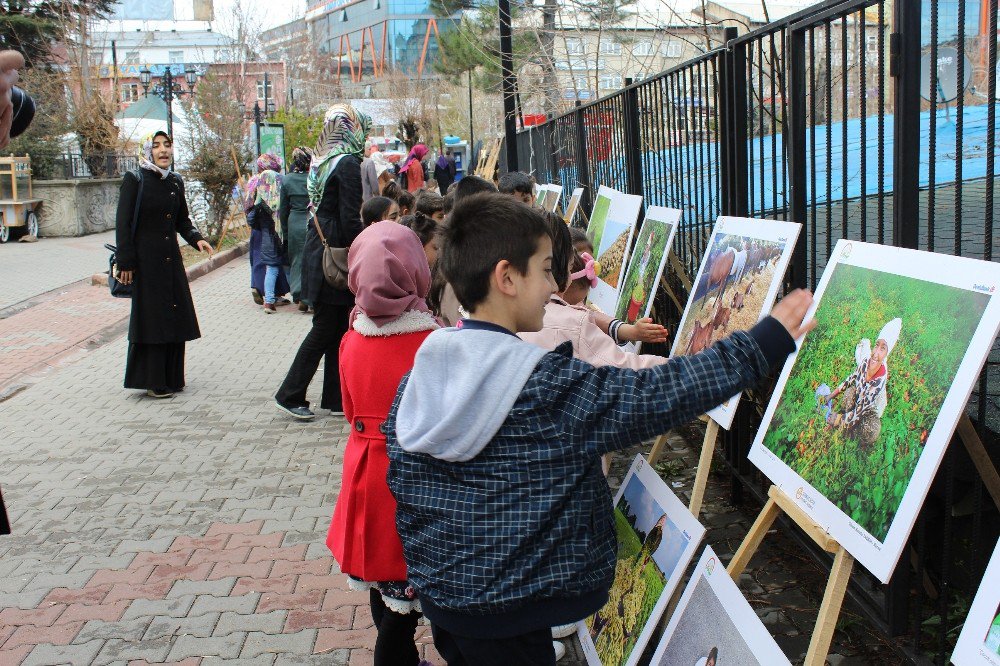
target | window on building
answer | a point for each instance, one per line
(671, 49)
(581, 82)
(574, 46)
(610, 82)
(343, 16)
(175, 57)
(131, 58)
(129, 92)
(222, 55)
(643, 49)
(261, 91)
(611, 48)
(376, 4)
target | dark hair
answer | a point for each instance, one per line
(392, 190)
(483, 230)
(471, 185)
(516, 181)
(562, 249)
(448, 201)
(429, 203)
(423, 226)
(580, 236)
(374, 210)
(406, 200)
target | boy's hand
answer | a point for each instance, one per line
(644, 330)
(792, 309)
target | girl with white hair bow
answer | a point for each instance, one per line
(864, 390)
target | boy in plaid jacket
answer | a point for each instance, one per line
(495, 444)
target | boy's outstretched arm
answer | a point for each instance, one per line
(610, 408)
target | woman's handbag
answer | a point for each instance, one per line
(334, 260)
(119, 289)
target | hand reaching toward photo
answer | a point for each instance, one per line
(643, 330)
(792, 310)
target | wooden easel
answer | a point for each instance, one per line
(843, 563)
(704, 462)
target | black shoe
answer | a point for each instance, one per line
(257, 298)
(300, 413)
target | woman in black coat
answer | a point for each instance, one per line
(163, 316)
(335, 193)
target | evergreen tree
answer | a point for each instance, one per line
(32, 27)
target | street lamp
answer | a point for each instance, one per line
(167, 89)
(259, 113)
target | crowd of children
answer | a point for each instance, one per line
(482, 394)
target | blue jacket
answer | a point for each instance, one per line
(508, 528)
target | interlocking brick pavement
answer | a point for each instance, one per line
(31, 269)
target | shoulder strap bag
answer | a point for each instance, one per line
(334, 260)
(119, 290)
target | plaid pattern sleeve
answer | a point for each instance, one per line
(605, 409)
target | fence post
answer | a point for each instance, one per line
(583, 160)
(733, 100)
(904, 67)
(795, 129)
(633, 146)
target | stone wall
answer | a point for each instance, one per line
(76, 207)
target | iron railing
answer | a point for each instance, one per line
(818, 118)
(94, 165)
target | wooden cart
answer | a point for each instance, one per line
(18, 216)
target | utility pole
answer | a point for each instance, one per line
(507, 67)
(472, 136)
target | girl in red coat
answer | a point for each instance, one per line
(389, 275)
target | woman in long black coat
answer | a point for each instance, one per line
(335, 192)
(163, 316)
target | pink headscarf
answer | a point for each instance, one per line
(387, 271)
(418, 152)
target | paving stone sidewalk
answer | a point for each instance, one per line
(30, 269)
(192, 530)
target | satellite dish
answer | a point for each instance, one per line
(946, 84)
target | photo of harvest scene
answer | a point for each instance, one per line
(649, 549)
(730, 292)
(639, 287)
(853, 426)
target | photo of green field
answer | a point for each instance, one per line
(643, 267)
(595, 230)
(864, 466)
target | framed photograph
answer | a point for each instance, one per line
(979, 642)
(737, 283)
(574, 204)
(272, 140)
(656, 236)
(612, 224)
(540, 191)
(553, 193)
(714, 624)
(657, 538)
(863, 411)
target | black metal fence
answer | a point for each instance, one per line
(95, 165)
(820, 118)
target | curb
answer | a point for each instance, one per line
(193, 272)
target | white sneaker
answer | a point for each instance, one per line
(564, 630)
(560, 650)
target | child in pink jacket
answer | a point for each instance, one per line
(588, 330)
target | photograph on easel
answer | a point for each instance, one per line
(647, 263)
(714, 624)
(736, 285)
(657, 539)
(979, 642)
(612, 225)
(552, 195)
(862, 413)
(574, 203)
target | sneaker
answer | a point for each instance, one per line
(559, 649)
(257, 297)
(301, 413)
(269, 308)
(303, 306)
(282, 301)
(563, 630)
(159, 393)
